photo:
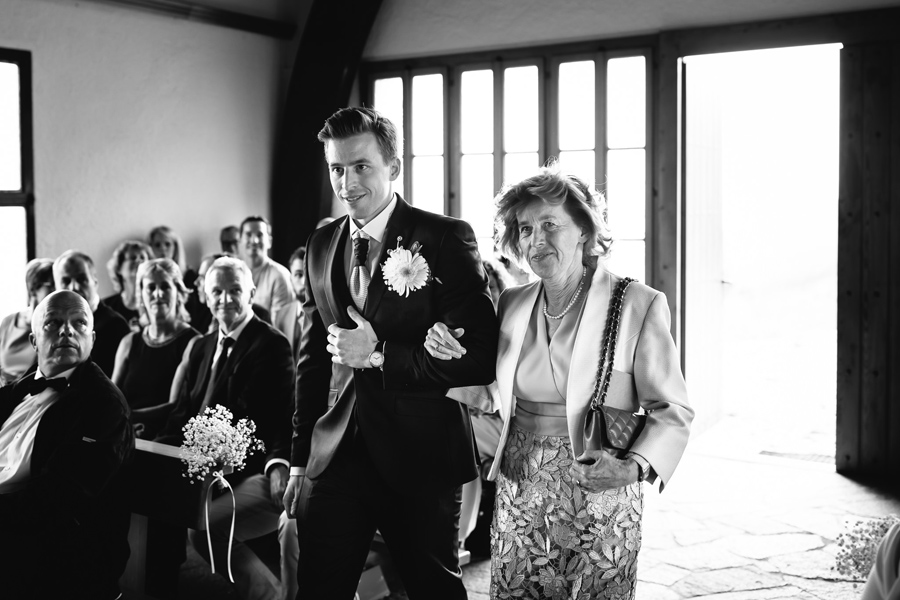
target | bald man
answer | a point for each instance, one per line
(65, 434)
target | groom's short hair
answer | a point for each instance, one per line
(357, 120)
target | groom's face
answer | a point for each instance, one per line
(360, 177)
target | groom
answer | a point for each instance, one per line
(377, 444)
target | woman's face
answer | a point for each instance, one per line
(550, 241)
(130, 263)
(163, 246)
(42, 292)
(159, 296)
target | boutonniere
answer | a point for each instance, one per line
(406, 271)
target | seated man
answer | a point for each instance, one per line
(229, 238)
(272, 280)
(290, 318)
(201, 318)
(64, 436)
(74, 271)
(246, 366)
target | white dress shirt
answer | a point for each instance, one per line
(18, 432)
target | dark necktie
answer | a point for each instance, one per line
(39, 385)
(227, 343)
(359, 276)
(218, 372)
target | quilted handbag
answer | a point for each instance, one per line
(605, 427)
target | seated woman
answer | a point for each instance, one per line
(147, 361)
(122, 268)
(16, 352)
(165, 243)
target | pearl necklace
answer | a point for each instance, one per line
(571, 302)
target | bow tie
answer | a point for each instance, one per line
(39, 385)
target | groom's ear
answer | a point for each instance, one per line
(395, 168)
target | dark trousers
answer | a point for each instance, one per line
(339, 512)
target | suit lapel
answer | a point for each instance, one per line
(513, 328)
(201, 385)
(586, 355)
(13, 396)
(400, 225)
(337, 292)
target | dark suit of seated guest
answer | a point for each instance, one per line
(74, 271)
(64, 435)
(246, 366)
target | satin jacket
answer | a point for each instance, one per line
(646, 369)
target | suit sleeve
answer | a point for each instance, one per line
(171, 432)
(463, 300)
(313, 371)
(662, 393)
(89, 454)
(267, 392)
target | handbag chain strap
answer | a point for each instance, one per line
(608, 350)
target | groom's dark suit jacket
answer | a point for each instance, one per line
(66, 519)
(258, 384)
(413, 432)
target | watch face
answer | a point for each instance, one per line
(376, 358)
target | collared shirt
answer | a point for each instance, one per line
(234, 334)
(273, 289)
(375, 230)
(18, 432)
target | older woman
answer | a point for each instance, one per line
(122, 268)
(16, 352)
(147, 360)
(567, 523)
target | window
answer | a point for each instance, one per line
(16, 184)
(473, 123)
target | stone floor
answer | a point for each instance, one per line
(751, 514)
(744, 518)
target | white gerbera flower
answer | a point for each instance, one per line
(405, 272)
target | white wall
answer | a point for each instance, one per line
(142, 120)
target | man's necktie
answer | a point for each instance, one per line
(359, 276)
(227, 343)
(217, 373)
(39, 385)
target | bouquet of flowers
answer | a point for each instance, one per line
(859, 544)
(212, 443)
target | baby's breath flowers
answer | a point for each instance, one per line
(212, 443)
(859, 544)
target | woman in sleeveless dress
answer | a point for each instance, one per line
(147, 361)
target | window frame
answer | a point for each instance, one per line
(23, 197)
(547, 59)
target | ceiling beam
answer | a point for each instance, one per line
(211, 16)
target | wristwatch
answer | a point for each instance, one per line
(376, 358)
(643, 465)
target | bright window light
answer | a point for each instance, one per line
(10, 136)
(576, 106)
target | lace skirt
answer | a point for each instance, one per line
(550, 539)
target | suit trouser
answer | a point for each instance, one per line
(256, 515)
(339, 512)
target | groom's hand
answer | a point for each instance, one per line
(352, 347)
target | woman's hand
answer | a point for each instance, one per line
(440, 342)
(605, 473)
